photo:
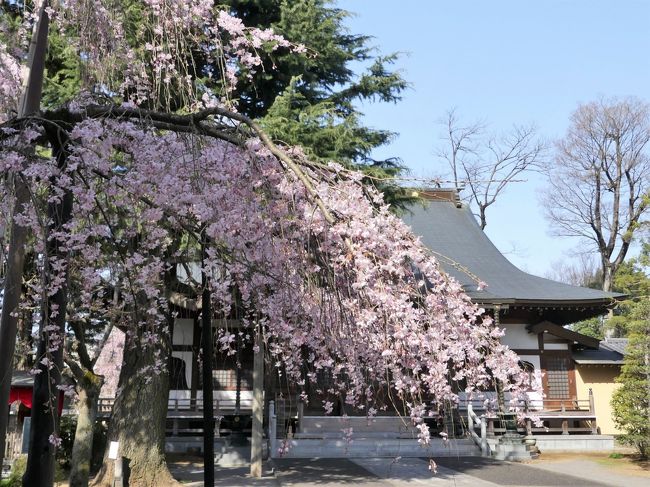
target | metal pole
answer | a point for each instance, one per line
(208, 413)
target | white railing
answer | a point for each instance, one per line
(187, 405)
(472, 420)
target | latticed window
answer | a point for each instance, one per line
(226, 379)
(557, 378)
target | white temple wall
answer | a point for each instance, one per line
(517, 336)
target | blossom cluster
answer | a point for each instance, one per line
(360, 300)
(339, 287)
(154, 63)
(10, 83)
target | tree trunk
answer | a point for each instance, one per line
(608, 278)
(15, 260)
(24, 342)
(11, 302)
(45, 396)
(88, 388)
(139, 416)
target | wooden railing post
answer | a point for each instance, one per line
(592, 409)
(565, 426)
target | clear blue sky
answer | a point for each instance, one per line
(506, 62)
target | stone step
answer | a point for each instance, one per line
(375, 447)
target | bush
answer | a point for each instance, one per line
(67, 431)
(15, 478)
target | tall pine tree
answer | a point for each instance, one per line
(310, 99)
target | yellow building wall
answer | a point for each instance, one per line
(600, 379)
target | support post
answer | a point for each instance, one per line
(485, 449)
(301, 414)
(257, 434)
(208, 413)
(592, 410)
(273, 430)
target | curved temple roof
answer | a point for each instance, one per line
(450, 230)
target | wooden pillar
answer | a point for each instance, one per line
(257, 434)
(273, 431)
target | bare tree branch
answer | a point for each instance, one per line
(487, 164)
(599, 181)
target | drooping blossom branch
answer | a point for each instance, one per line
(338, 285)
(358, 297)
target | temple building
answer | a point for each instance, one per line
(578, 370)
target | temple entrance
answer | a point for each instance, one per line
(559, 379)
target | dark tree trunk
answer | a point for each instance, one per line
(24, 354)
(88, 387)
(15, 260)
(45, 398)
(11, 302)
(139, 415)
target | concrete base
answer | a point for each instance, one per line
(511, 447)
(225, 454)
(575, 443)
(376, 447)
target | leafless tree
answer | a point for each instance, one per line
(486, 164)
(584, 271)
(599, 179)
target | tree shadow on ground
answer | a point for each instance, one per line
(324, 471)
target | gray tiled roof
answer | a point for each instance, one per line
(616, 344)
(451, 231)
(610, 352)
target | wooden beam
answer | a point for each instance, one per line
(558, 331)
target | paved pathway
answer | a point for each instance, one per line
(409, 472)
(414, 472)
